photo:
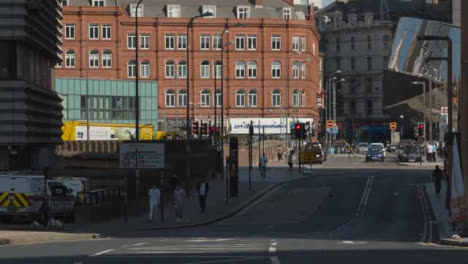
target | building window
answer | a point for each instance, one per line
(217, 42)
(170, 69)
(353, 44)
(303, 70)
(369, 42)
(252, 98)
(252, 42)
(205, 98)
(252, 69)
(276, 70)
(145, 69)
(303, 98)
(131, 69)
(386, 41)
(338, 45)
(69, 31)
(352, 85)
(136, 13)
(352, 107)
(106, 31)
(70, 57)
(93, 31)
(205, 42)
(240, 98)
(170, 98)
(182, 70)
(276, 98)
(217, 69)
(59, 63)
(369, 63)
(94, 59)
(385, 62)
(65, 2)
(209, 9)
(369, 82)
(295, 98)
(131, 41)
(170, 42)
(240, 42)
(313, 48)
(144, 41)
(98, 3)
(303, 44)
(295, 43)
(369, 107)
(295, 70)
(240, 69)
(353, 63)
(107, 59)
(286, 13)
(276, 42)
(243, 12)
(217, 98)
(338, 63)
(205, 70)
(182, 101)
(182, 42)
(173, 11)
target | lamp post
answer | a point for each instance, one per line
(424, 106)
(137, 79)
(334, 100)
(401, 125)
(327, 100)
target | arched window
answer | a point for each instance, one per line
(145, 69)
(218, 98)
(205, 69)
(205, 98)
(303, 70)
(170, 98)
(295, 70)
(182, 69)
(252, 69)
(131, 69)
(217, 69)
(94, 59)
(240, 98)
(276, 70)
(252, 98)
(303, 98)
(170, 69)
(240, 69)
(70, 57)
(182, 100)
(276, 98)
(107, 59)
(295, 98)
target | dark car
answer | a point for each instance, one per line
(375, 154)
(411, 154)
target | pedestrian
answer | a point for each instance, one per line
(290, 160)
(154, 195)
(279, 153)
(437, 178)
(434, 152)
(179, 197)
(429, 152)
(263, 164)
(203, 189)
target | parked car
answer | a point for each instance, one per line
(375, 154)
(379, 145)
(363, 147)
(319, 149)
(411, 154)
(392, 148)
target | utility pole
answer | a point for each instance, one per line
(463, 100)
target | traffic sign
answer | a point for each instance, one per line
(393, 126)
(330, 123)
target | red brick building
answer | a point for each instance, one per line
(271, 66)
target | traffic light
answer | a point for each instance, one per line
(212, 131)
(421, 129)
(251, 130)
(195, 127)
(299, 131)
(204, 129)
(416, 131)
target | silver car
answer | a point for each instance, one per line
(363, 147)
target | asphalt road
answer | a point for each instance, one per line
(346, 211)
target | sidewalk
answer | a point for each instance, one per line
(424, 164)
(28, 237)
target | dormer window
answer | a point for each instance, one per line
(134, 12)
(209, 9)
(286, 13)
(243, 12)
(98, 3)
(173, 10)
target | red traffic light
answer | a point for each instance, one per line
(298, 126)
(421, 126)
(212, 129)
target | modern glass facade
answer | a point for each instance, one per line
(110, 101)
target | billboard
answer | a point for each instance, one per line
(240, 126)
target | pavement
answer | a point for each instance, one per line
(33, 237)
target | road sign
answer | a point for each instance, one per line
(330, 123)
(142, 155)
(333, 130)
(393, 126)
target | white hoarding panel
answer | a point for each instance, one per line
(240, 126)
(142, 155)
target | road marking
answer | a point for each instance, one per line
(138, 244)
(226, 260)
(272, 248)
(102, 253)
(209, 240)
(275, 260)
(350, 242)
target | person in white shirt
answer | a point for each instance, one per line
(179, 197)
(203, 189)
(429, 151)
(154, 195)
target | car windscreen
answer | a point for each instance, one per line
(374, 150)
(411, 149)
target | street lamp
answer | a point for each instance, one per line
(137, 101)
(401, 125)
(327, 100)
(334, 100)
(424, 105)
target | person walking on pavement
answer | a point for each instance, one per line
(154, 195)
(263, 164)
(290, 160)
(279, 153)
(203, 189)
(437, 179)
(179, 197)
(429, 151)
(434, 152)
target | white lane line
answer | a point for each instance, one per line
(102, 252)
(275, 260)
(226, 260)
(138, 244)
(272, 248)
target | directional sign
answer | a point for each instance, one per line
(393, 126)
(142, 155)
(330, 123)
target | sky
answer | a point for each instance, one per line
(326, 2)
